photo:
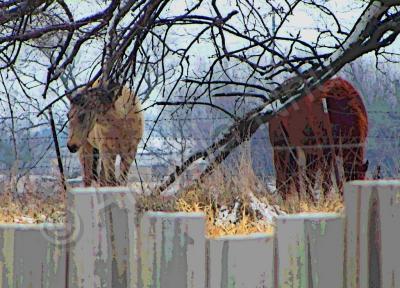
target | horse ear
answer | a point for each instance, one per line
(69, 96)
(107, 94)
(77, 99)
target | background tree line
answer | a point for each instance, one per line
(244, 59)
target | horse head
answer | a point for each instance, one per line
(87, 104)
(357, 171)
(362, 170)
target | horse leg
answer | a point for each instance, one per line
(95, 163)
(126, 162)
(290, 165)
(281, 171)
(301, 172)
(293, 177)
(107, 173)
(311, 173)
(353, 164)
(327, 165)
(86, 159)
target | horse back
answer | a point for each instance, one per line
(121, 127)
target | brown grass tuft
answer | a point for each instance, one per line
(31, 206)
(228, 187)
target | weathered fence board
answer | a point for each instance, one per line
(110, 246)
(30, 256)
(309, 250)
(173, 250)
(103, 249)
(372, 234)
(241, 261)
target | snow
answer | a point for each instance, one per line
(226, 217)
(375, 9)
(268, 212)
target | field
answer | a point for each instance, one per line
(234, 199)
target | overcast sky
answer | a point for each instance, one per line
(304, 19)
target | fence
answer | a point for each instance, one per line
(179, 138)
(105, 243)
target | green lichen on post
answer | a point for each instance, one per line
(322, 226)
(316, 278)
(313, 225)
(53, 255)
(232, 282)
(296, 274)
(52, 266)
(145, 272)
(168, 241)
(182, 233)
(301, 262)
(352, 273)
(8, 252)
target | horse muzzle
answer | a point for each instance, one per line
(72, 148)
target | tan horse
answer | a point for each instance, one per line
(110, 129)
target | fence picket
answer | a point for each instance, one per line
(372, 234)
(30, 256)
(103, 251)
(241, 261)
(309, 250)
(173, 250)
(110, 245)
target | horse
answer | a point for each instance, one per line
(100, 128)
(316, 132)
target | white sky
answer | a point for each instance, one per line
(304, 20)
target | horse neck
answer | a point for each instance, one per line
(126, 99)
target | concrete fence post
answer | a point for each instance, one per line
(30, 256)
(372, 234)
(172, 250)
(309, 251)
(103, 224)
(241, 261)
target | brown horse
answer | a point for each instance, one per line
(311, 136)
(110, 129)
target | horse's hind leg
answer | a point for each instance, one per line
(327, 169)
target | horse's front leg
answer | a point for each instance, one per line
(283, 180)
(107, 172)
(86, 159)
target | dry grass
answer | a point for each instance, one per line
(230, 185)
(40, 211)
(226, 188)
(333, 204)
(30, 208)
(245, 224)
